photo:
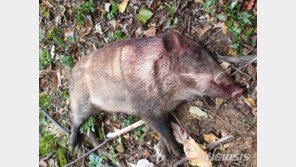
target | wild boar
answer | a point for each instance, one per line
(146, 77)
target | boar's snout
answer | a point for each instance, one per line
(228, 87)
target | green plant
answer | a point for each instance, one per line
(65, 61)
(128, 121)
(113, 154)
(47, 144)
(44, 58)
(56, 35)
(113, 12)
(95, 161)
(82, 10)
(117, 36)
(208, 5)
(61, 157)
(172, 7)
(240, 23)
(44, 102)
(88, 126)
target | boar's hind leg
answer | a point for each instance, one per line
(162, 125)
(80, 113)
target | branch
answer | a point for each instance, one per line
(110, 136)
(126, 129)
(219, 142)
(180, 162)
(237, 59)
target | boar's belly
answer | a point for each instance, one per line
(116, 102)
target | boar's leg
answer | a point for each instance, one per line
(161, 124)
(80, 113)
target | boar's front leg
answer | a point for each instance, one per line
(161, 124)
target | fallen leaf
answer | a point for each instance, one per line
(210, 138)
(179, 133)
(122, 6)
(144, 15)
(142, 163)
(252, 71)
(47, 4)
(250, 102)
(88, 25)
(200, 1)
(218, 103)
(221, 17)
(42, 163)
(147, 153)
(120, 148)
(99, 29)
(232, 52)
(224, 65)
(113, 23)
(201, 31)
(139, 31)
(150, 32)
(107, 7)
(56, 80)
(198, 112)
(68, 33)
(224, 28)
(254, 111)
(196, 155)
(250, 4)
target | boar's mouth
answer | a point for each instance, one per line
(226, 90)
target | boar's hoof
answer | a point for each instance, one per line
(166, 148)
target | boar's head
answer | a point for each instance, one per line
(196, 69)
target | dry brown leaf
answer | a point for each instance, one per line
(252, 71)
(47, 4)
(224, 28)
(88, 25)
(250, 102)
(122, 6)
(68, 33)
(179, 133)
(200, 1)
(120, 148)
(196, 155)
(150, 32)
(201, 31)
(210, 138)
(232, 52)
(42, 163)
(250, 4)
(224, 65)
(139, 31)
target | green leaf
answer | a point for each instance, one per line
(61, 157)
(248, 33)
(235, 45)
(221, 17)
(144, 15)
(229, 23)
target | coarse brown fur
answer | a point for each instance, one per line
(147, 77)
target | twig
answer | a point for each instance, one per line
(248, 76)
(180, 162)
(66, 132)
(113, 135)
(213, 36)
(126, 129)
(244, 66)
(219, 142)
(54, 122)
(48, 156)
(89, 152)
(237, 59)
(95, 143)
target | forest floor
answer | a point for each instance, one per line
(69, 30)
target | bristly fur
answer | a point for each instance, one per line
(147, 77)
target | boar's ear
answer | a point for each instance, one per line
(173, 43)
